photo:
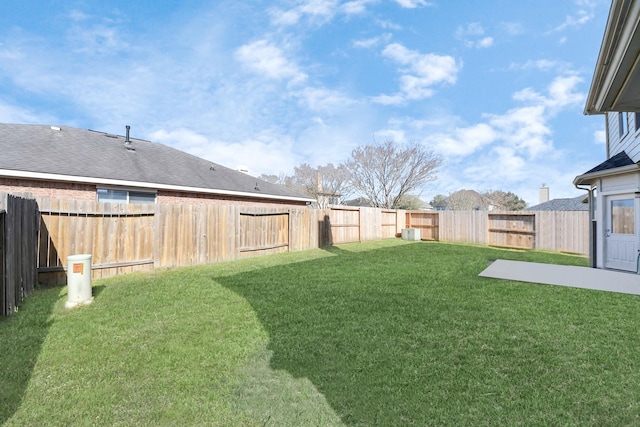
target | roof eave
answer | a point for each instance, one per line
(148, 185)
(615, 71)
(587, 178)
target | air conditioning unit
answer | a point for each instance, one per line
(410, 234)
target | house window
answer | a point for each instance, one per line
(622, 217)
(636, 117)
(623, 123)
(108, 195)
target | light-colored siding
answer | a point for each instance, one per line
(629, 142)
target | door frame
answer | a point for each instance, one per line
(630, 264)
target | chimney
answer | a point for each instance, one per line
(127, 140)
(544, 193)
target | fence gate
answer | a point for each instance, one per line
(426, 222)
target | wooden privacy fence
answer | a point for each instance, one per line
(120, 238)
(37, 236)
(560, 231)
(126, 238)
(18, 243)
(512, 230)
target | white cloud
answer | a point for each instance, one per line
(396, 135)
(14, 114)
(529, 95)
(502, 164)
(540, 64)
(485, 42)
(473, 35)
(263, 154)
(512, 28)
(561, 93)
(388, 25)
(412, 4)
(372, 42)
(419, 73)
(77, 15)
(396, 99)
(356, 7)
(600, 137)
(317, 11)
(524, 129)
(270, 61)
(324, 100)
(464, 141)
(572, 21)
(91, 35)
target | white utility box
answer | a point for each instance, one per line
(78, 280)
(410, 234)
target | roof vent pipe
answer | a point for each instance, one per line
(127, 141)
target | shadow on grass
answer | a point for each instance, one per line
(410, 335)
(357, 326)
(22, 336)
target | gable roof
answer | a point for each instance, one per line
(63, 153)
(620, 163)
(570, 204)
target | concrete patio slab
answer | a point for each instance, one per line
(564, 275)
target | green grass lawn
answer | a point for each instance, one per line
(387, 333)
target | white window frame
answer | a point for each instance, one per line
(127, 195)
(623, 124)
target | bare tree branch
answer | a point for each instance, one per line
(387, 172)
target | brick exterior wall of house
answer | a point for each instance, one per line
(49, 189)
(87, 192)
(178, 198)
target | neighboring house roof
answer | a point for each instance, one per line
(620, 163)
(616, 80)
(62, 153)
(570, 204)
(360, 201)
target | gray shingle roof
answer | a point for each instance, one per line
(619, 160)
(90, 154)
(572, 204)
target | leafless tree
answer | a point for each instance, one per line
(275, 179)
(386, 172)
(328, 184)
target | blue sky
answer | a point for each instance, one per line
(496, 87)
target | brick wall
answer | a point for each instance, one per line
(63, 190)
(178, 198)
(49, 189)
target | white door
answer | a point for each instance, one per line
(620, 242)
